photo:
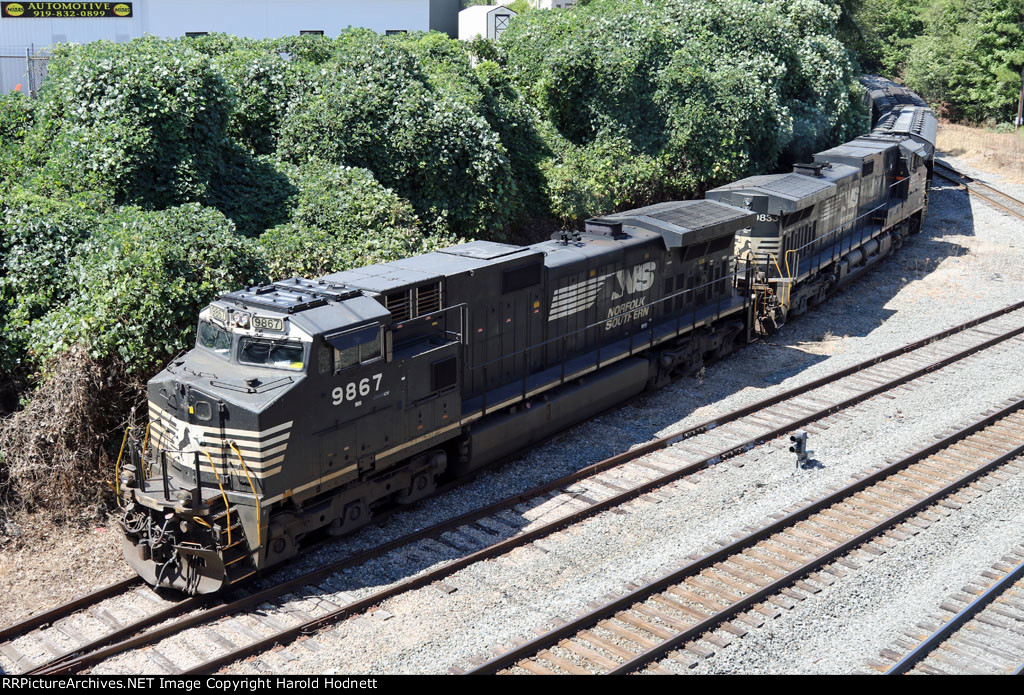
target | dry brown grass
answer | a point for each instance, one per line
(998, 153)
(54, 451)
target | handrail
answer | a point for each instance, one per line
(846, 226)
(223, 494)
(142, 457)
(117, 465)
(259, 515)
(600, 322)
(416, 320)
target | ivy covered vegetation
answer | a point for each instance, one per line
(964, 56)
(150, 176)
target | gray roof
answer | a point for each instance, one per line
(381, 277)
(916, 121)
(863, 146)
(785, 192)
(484, 250)
(682, 222)
(788, 186)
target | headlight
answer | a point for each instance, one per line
(240, 319)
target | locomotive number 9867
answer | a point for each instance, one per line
(356, 389)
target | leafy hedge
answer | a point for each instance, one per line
(142, 122)
(375, 107)
(664, 99)
(41, 238)
(969, 60)
(139, 283)
(17, 114)
(263, 85)
(342, 218)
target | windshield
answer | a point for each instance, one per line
(213, 338)
(270, 353)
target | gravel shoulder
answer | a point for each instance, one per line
(965, 263)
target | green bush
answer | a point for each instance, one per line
(41, 237)
(376, 108)
(887, 28)
(144, 122)
(17, 114)
(250, 191)
(141, 279)
(342, 218)
(263, 85)
(606, 175)
(672, 96)
(16, 117)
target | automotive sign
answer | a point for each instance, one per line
(49, 10)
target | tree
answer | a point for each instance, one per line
(969, 60)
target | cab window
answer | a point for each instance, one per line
(356, 347)
(214, 338)
(282, 354)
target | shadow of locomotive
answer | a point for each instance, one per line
(854, 312)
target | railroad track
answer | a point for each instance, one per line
(304, 604)
(980, 632)
(736, 586)
(1001, 200)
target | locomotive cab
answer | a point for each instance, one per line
(219, 456)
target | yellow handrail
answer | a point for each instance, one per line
(117, 466)
(259, 515)
(795, 261)
(783, 298)
(142, 458)
(224, 496)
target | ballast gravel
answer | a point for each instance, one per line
(965, 263)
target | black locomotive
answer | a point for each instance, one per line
(307, 404)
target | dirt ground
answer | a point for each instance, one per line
(992, 152)
(59, 565)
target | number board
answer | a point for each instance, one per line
(268, 323)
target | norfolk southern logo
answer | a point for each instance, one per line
(584, 295)
(639, 279)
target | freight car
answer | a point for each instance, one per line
(307, 404)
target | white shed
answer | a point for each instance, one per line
(488, 21)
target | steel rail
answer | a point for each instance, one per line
(123, 639)
(573, 627)
(516, 541)
(982, 184)
(932, 642)
(967, 184)
(64, 609)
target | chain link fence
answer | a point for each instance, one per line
(23, 72)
